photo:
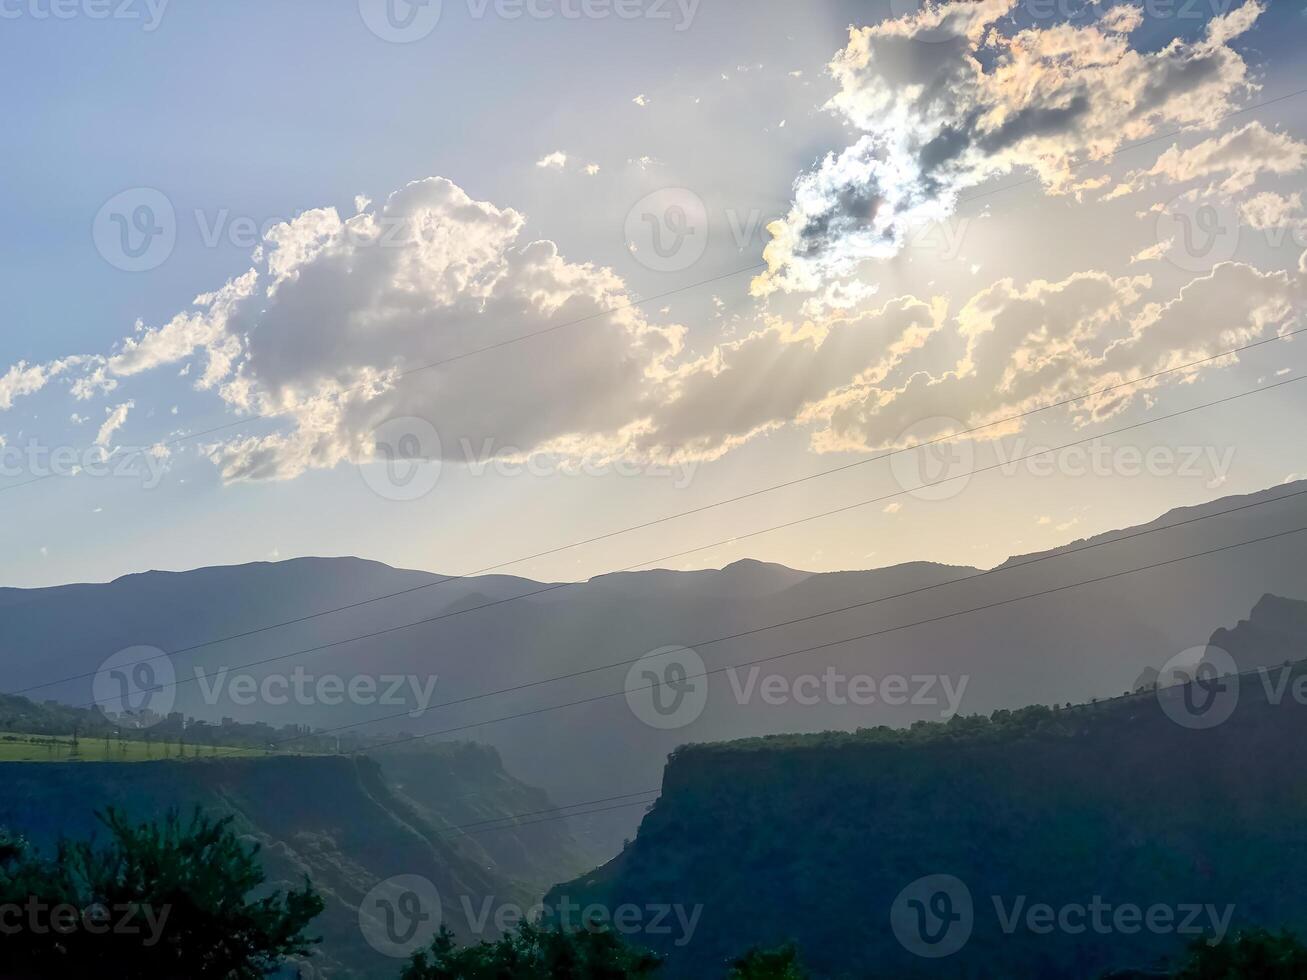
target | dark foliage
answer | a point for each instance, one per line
(158, 900)
(533, 953)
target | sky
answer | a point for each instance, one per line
(269, 275)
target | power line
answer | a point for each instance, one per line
(696, 510)
(700, 644)
(485, 825)
(514, 821)
(941, 440)
(739, 537)
(552, 809)
(507, 825)
(806, 650)
(850, 639)
(564, 816)
(865, 603)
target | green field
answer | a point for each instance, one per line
(19, 747)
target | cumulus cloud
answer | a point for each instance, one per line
(95, 381)
(910, 371)
(116, 416)
(1019, 347)
(1153, 252)
(207, 327)
(776, 375)
(334, 328)
(1239, 157)
(24, 379)
(345, 323)
(1269, 210)
(944, 100)
(861, 382)
(839, 296)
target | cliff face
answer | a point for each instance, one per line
(1112, 806)
(340, 821)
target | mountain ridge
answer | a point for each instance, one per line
(491, 668)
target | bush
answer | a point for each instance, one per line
(533, 953)
(157, 901)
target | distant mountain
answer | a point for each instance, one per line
(742, 579)
(1056, 844)
(1274, 633)
(347, 824)
(1083, 642)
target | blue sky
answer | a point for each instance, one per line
(245, 115)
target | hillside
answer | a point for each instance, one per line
(1062, 647)
(345, 823)
(817, 837)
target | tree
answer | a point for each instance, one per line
(775, 964)
(1254, 954)
(533, 953)
(156, 901)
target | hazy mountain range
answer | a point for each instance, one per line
(1075, 644)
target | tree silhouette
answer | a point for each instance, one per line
(774, 964)
(1254, 954)
(533, 953)
(158, 900)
